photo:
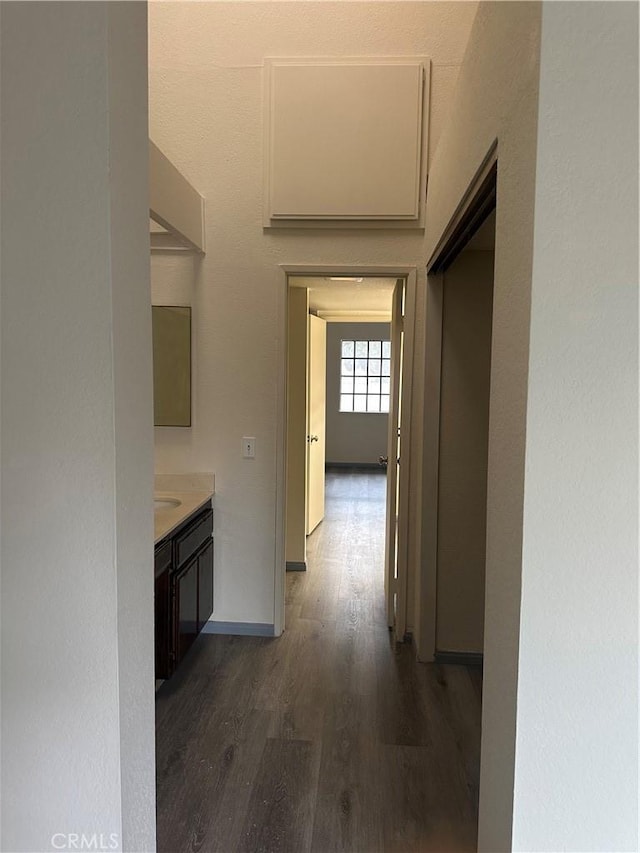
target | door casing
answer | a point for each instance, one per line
(408, 272)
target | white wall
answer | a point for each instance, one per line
(206, 114)
(77, 564)
(496, 98)
(576, 781)
(352, 436)
(562, 540)
(464, 437)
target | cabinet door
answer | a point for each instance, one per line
(205, 584)
(186, 608)
(162, 626)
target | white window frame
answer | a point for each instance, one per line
(365, 380)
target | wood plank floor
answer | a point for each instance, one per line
(327, 738)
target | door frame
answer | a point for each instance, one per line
(478, 201)
(406, 271)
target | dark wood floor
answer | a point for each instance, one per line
(327, 738)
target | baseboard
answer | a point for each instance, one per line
(358, 466)
(240, 629)
(459, 658)
(293, 566)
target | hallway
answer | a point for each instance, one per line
(326, 738)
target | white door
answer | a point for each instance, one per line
(395, 555)
(316, 416)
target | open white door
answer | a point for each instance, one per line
(395, 554)
(316, 417)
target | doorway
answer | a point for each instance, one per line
(317, 299)
(458, 331)
(465, 374)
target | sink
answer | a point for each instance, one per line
(166, 503)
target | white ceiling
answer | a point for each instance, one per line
(368, 295)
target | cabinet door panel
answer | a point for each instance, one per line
(205, 584)
(186, 609)
(162, 626)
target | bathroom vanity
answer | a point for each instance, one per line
(183, 574)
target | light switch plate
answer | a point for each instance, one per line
(248, 447)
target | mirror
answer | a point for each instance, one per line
(171, 365)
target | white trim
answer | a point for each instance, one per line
(408, 271)
(350, 271)
(417, 221)
(425, 629)
(332, 316)
(470, 195)
(280, 565)
(407, 474)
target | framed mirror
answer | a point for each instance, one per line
(171, 365)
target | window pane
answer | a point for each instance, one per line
(360, 403)
(346, 403)
(365, 383)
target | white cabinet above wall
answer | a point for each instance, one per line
(176, 208)
(346, 142)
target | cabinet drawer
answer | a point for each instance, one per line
(162, 558)
(189, 540)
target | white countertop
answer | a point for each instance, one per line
(166, 520)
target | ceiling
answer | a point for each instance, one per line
(366, 296)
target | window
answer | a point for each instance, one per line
(365, 376)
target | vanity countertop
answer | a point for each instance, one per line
(167, 519)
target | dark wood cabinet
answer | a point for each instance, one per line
(163, 641)
(183, 589)
(185, 604)
(205, 585)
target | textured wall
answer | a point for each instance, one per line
(206, 115)
(496, 98)
(576, 781)
(561, 638)
(352, 436)
(77, 564)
